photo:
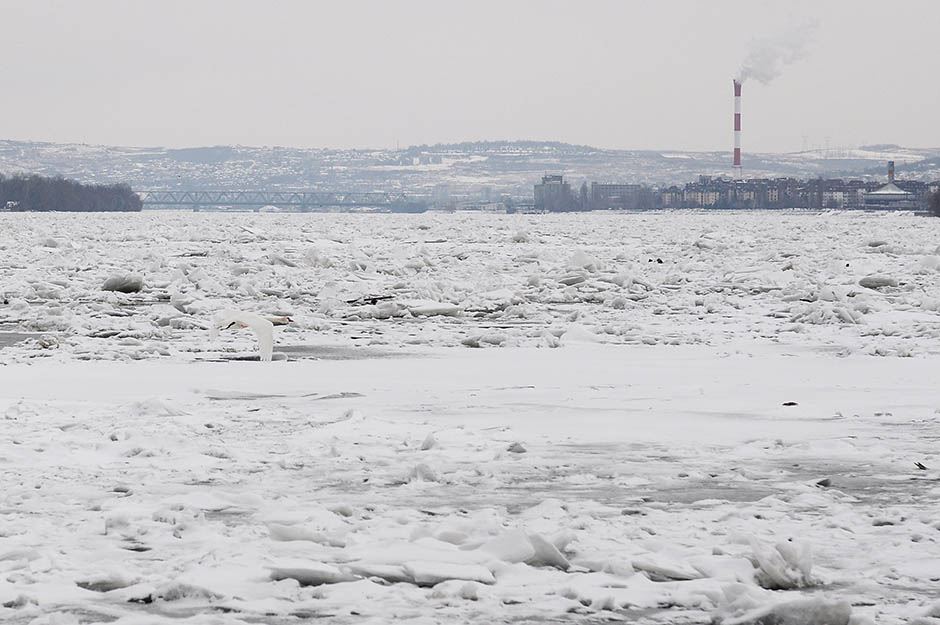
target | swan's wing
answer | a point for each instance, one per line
(265, 341)
(264, 330)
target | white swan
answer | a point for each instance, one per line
(262, 327)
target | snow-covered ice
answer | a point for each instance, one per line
(656, 418)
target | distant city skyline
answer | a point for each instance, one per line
(372, 74)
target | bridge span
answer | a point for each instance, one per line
(301, 200)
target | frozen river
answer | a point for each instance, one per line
(653, 418)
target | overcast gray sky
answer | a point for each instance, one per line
(370, 73)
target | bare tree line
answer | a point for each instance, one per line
(40, 193)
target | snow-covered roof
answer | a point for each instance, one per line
(890, 189)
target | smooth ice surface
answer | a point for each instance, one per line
(735, 433)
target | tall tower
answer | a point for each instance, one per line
(737, 128)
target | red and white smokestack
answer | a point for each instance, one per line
(737, 128)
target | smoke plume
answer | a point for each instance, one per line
(767, 57)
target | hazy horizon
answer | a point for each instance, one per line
(366, 148)
(373, 75)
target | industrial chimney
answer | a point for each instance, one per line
(737, 128)
(890, 172)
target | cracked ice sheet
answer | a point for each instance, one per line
(652, 475)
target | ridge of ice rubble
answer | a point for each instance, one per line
(652, 279)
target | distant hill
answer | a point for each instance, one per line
(493, 146)
(465, 169)
(215, 154)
